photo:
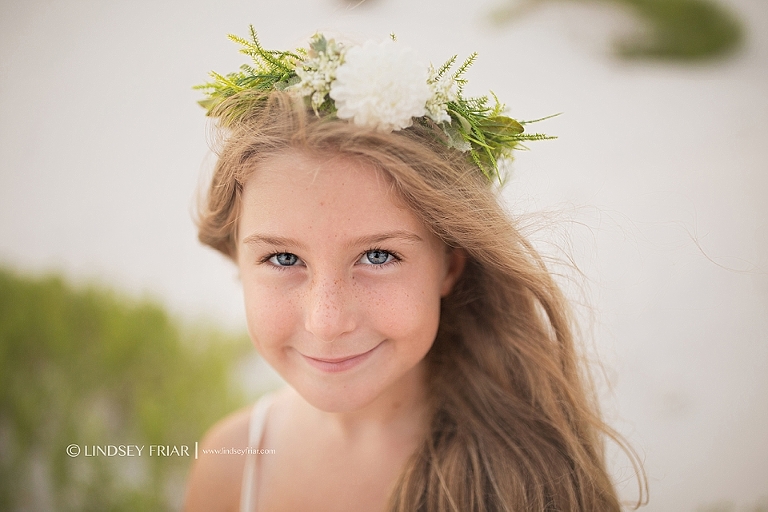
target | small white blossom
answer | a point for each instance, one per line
(443, 90)
(382, 86)
(318, 71)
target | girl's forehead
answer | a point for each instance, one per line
(322, 189)
(321, 174)
(326, 203)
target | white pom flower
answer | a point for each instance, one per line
(382, 86)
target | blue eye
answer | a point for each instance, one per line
(376, 257)
(284, 259)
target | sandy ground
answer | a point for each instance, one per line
(655, 188)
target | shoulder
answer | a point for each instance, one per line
(215, 478)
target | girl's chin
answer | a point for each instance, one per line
(356, 388)
(355, 395)
(339, 399)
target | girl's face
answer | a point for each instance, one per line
(342, 283)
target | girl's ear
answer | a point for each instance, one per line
(456, 260)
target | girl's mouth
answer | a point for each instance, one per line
(338, 364)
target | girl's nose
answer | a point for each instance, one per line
(330, 309)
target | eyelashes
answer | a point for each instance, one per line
(378, 257)
(283, 259)
(375, 258)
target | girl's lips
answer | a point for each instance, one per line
(339, 364)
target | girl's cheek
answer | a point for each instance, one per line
(271, 317)
(406, 309)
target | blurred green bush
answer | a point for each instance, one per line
(673, 30)
(90, 367)
(682, 30)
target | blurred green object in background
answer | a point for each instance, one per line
(93, 368)
(683, 30)
(673, 30)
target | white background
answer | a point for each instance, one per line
(657, 183)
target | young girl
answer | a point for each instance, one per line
(428, 352)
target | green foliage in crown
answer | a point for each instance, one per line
(377, 85)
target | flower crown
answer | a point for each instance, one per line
(382, 86)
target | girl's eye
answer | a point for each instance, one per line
(376, 257)
(284, 259)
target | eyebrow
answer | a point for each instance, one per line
(405, 236)
(280, 241)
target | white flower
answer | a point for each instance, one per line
(318, 71)
(382, 86)
(443, 90)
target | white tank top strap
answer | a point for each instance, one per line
(255, 433)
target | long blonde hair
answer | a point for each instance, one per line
(515, 425)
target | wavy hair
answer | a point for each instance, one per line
(515, 424)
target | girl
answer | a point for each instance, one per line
(428, 352)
